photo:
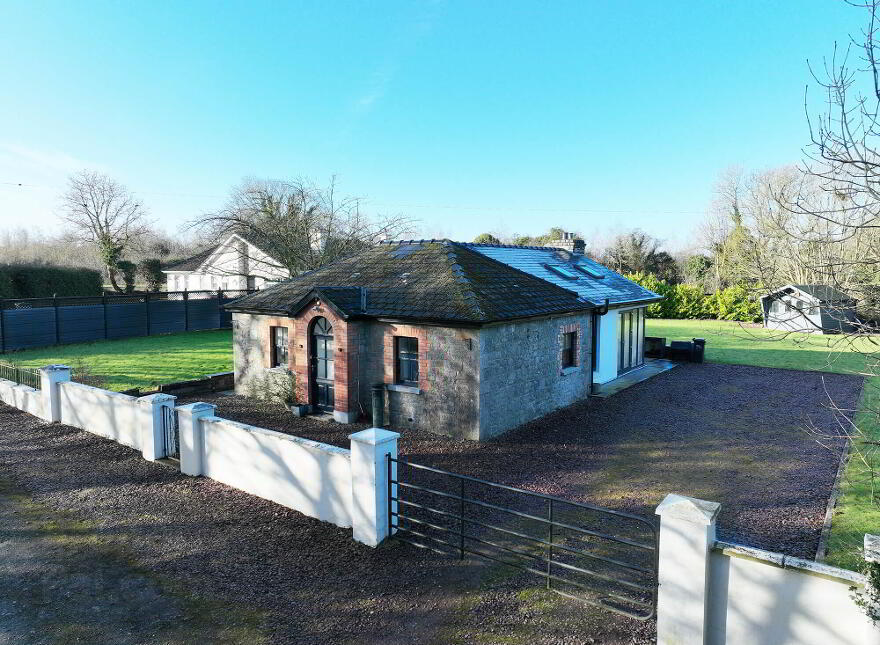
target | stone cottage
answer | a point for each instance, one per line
(464, 345)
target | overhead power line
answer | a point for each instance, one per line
(460, 207)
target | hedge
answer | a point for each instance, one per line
(688, 301)
(40, 281)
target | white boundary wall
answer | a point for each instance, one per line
(348, 488)
(311, 477)
(22, 397)
(758, 596)
(719, 593)
(101, 412)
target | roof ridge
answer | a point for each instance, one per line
(206, 252)
(446, 240)
(464, 245)
(500, 245)
(443, 240)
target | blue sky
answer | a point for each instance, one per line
(502, 116)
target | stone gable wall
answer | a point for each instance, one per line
(521, 374)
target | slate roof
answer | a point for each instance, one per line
(191, 263)
(824, 292)
(426, 280)
(535, 260)
(194, 262)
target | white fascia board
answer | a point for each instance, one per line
(774, 294)
(220, 248)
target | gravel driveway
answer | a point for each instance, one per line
(726, 433)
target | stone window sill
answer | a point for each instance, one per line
(407, 389)
(570, 370)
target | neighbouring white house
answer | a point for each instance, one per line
(235, 263)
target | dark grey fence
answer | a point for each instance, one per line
(40, 322)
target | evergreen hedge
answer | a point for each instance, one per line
(686, 301)
(40, 281)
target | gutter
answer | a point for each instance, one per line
(594, 340)
(435, 322)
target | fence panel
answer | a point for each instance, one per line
(23, 328)
(203, 313)
(21, 375)
(79, 324)
(42, 322)
(126, 319)
(167, 316)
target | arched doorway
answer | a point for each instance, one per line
(321, 364)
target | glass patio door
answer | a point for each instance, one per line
(631, 340)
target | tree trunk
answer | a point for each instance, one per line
(111, 272)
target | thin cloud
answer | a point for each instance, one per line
(21, 163)
(381, 81)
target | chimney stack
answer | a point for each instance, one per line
(572, 244)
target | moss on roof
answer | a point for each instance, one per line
(430, 280)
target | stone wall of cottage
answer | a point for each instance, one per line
(447, 398)
(250, 352)
(521, 373)
(473, 383)
(252, 345)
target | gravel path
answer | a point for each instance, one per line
(726, 433)
(59, 584)
(242, 560)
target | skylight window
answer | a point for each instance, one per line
(565, 272)
(583, 268)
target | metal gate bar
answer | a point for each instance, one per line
(402, 526)
(169, 430)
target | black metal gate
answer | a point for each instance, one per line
(169, 432)
(600, 556)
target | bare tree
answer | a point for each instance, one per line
(638, 252)
(103, 213)
(298, 225)
(820, 224)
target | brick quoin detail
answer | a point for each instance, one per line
(344, 345)
(411, 331)
(567, 329)
(266, 339)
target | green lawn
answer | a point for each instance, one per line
(728, 342)
(140, 362)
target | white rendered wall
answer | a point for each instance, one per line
(308, 476)
(101, 412)
(756, 600)
(22, 397)
(607, 348)
(225, 265)
(223, 270)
